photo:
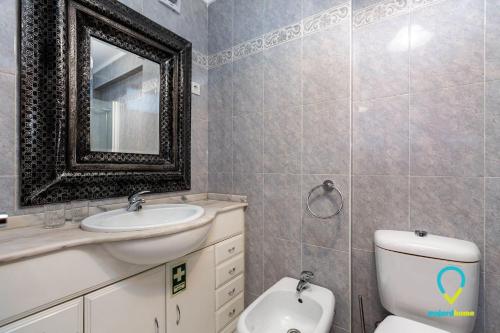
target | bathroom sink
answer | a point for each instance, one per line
(280, 309)
(149, 217)
(151, 250)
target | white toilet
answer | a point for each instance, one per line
(429, 283)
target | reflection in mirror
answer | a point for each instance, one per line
(125, 101)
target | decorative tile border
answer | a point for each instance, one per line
(388, 8)
(248, 48)
(324, 20)
(200, 59)
(221, 58)
(311, 24)
(379, 12)
(283, 35)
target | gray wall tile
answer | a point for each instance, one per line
(325, 65)
(448, 48)
(134, 4)
(199, 146)
(220, 26)
(247, 143)
(311, 7)
(199, 104)
(364, 283)
(492, 128)
(248, 81)
(282, 75)
(492, 35)
(220, 122)
(8, 123)
(8, 34)
(8, 194)
(333, 232)
(448, 206)
(282, 206)
(282, 138)
(331, 270)
(492, 303)
(220, 182)
(248, 20)
(379, 202)
(380, 59)
(252, 185)
(326, 139)
(254, 268)
(280, 13)
(447, 134)
(492, 232)
(281, 259)
(381, 136)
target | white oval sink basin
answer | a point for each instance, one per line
(152, 250)
(279, 309)
(149, 217)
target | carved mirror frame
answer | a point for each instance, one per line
(57, 163)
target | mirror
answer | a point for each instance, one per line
(124, 101)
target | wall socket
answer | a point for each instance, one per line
(195, 88)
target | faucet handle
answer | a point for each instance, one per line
(306, 276)
(135, 195)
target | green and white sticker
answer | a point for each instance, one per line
(179, 277)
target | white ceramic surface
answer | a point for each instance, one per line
(408, 287)
(155, 250)
(149, 217)
(279, 310)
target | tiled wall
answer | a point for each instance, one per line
(191, 24)
(422, 150)
(279, 124)
(425, 134)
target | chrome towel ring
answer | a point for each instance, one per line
(328, 186)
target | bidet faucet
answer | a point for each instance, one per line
(135, 201)
(305, 278)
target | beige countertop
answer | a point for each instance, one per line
(27, 241)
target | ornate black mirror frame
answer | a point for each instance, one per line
(57, 164)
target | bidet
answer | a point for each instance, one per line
(280, 309)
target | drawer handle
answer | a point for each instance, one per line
(231, 250)
(232, 270)
(231, 292)
(233, 311)
(157, 326)
(178, 315)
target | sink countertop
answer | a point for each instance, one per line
(22, 242)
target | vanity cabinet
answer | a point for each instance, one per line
(136, 304)
(64, 318)
(192, 310)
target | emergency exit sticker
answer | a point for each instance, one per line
(179, 277)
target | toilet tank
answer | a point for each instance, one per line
(427, 278)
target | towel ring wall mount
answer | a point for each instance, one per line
(328, 186)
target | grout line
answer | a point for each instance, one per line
(485, 258)
(351, 159)
(409, 118)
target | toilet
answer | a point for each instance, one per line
(430, 284)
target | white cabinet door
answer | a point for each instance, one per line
(192, 309)
(64, 318)
(134, 305)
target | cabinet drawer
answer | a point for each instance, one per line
(229, 270)
(229, 291)
(231, 328)
(228, 248)
(229, 312)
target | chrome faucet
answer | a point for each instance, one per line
(135, 201)
(305, 278)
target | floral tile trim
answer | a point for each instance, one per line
(221, 58)
(379, 11)
(326, 19)
(283, 35)
(248, 48)
(200, 59)
(423, 3)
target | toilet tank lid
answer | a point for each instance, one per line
(429, 246)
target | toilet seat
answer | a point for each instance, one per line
(395, 324)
